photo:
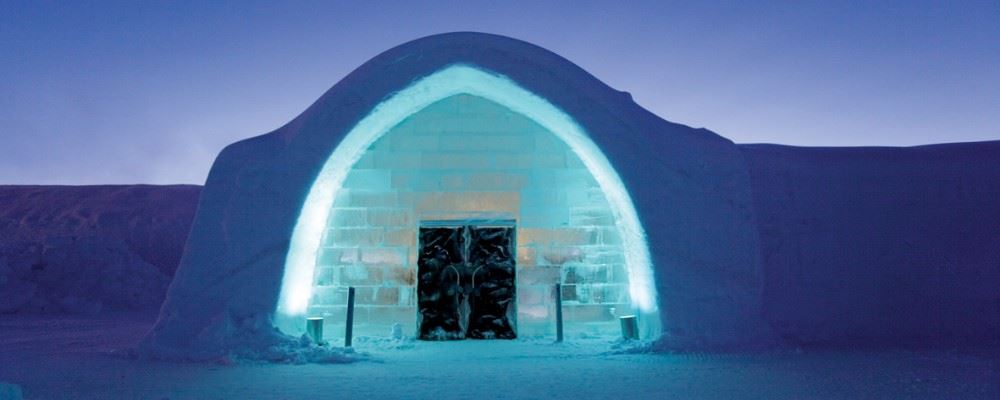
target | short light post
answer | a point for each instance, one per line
(349, 328)
(559, 317)
(630, 327)
(314, 328)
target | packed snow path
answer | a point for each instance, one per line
(81, 358)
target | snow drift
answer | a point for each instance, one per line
(152, 221)
(84, 249)
(76, 275)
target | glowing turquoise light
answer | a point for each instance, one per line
(300, 262)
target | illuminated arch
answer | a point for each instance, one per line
(300, 262)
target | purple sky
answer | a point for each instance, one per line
(133, 93)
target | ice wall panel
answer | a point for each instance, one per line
(466, 157)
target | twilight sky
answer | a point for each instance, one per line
(149, 93)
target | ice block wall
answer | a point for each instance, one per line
(465, 157)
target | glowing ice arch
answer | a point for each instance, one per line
(296, 285)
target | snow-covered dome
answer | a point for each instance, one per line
(509, 149)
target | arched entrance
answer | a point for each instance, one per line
(460, 146)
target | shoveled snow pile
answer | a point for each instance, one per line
(301, 351)
(246, 339)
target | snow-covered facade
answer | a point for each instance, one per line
(471, 132)
(880, 245)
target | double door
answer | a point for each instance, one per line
(466, 280)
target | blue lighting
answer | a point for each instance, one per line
(305, 243)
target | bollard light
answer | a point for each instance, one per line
(630, 328)
(314, 328)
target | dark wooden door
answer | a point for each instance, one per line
(440, 266)
(490, 263)
(466, 282)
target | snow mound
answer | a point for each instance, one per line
(302, 351)
(77, 275)
(87, 249)
(238, 338)
(152, 221)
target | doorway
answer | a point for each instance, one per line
(466, 280)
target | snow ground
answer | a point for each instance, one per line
(85, 357)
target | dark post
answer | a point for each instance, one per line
(350, 317)
(559, 324)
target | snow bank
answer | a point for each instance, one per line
(880, 245)
(232, 338)
(76, 275)
(85, 249)
(152, 221)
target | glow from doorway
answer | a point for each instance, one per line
(300, 261)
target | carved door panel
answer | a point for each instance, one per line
(466, 282)
(440, 266)
(490, 263)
